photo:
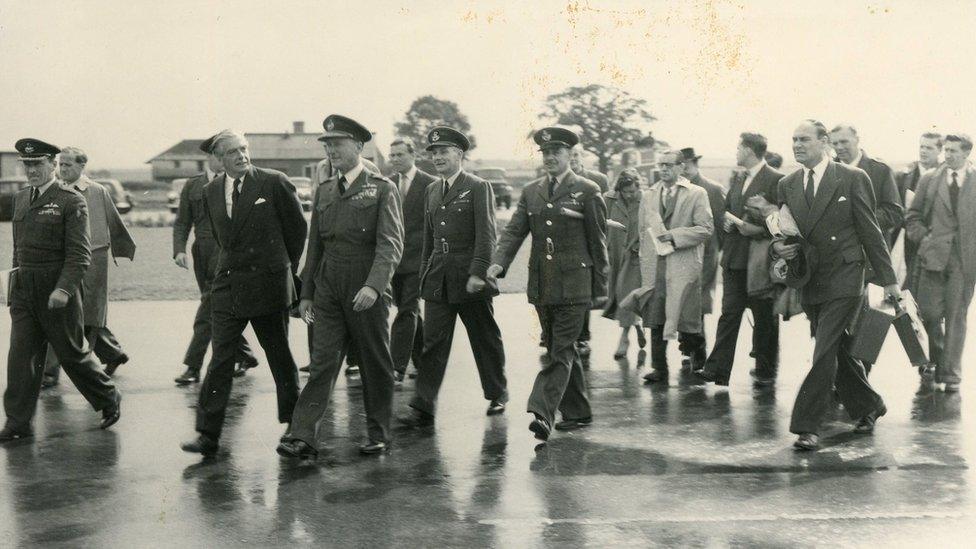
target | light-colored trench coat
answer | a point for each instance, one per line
(679, 306)
(623, 246)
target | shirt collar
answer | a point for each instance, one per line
(43, 188)
(819, 169)
(857, 159)
(755, 169)
(82, 183)
(411, 173)
(562, 177)
(352, 174)
(453, 178)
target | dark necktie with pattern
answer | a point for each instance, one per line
(446, 188)
(553, 183)
(34, 194)
(954, 192)
(810, 194)
(342, 185)
(236, 194)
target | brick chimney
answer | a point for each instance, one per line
(298, 126)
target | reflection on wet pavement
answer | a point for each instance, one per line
(681, 465)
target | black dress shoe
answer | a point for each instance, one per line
(415, 418)
(373, 447)
(48, 381)
(710, 377)
(641, 338)
(951, 387)
(352, 370)
(495, 407)
(111, 415)
(865, 425)
(10, 433)
(245, 365)
(113, 365)
(762, 382)
(297, 449)
(583, 348)
(656, 376)
(189, 376)
(203, 445)
(540, 427)
(306, 368)
(807, 442)
(573, 424)
(398, 377)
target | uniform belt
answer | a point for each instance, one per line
(551, 246)
(444, 247)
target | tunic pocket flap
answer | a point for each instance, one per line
(852, 255)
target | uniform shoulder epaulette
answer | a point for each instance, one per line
(379, 177)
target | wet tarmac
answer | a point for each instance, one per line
(684, 465)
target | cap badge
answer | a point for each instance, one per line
(546, 136)
(29, 149)
(330, 125)
(435, 137)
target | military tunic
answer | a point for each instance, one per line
(459, 236)
(568, 270)
(356, 240)
(52, 250)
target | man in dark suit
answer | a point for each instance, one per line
(740, 237)
(259, 226)
(832, 205)
(888, 205)
(929, 149)
(568, 270)
(407, 333)
(942, 221)
(355, 246)
(192, 216)
(459, 236)
(579, 168)
(716, 202)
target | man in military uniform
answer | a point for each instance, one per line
(193, 216)
(459, 237)
(52, 250)
(353, 251)
(260, 228)
(567, 275)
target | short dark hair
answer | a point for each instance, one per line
(628, 177)
(934, 135)
(842, 127)
(754, 141)
(405, 141)
(76, 153)
(965, 142)
(775, 160)
(821, 129)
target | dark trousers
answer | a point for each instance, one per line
(944, 298)
(691, 344)
(32, 325)
(100, 340)
(478, 318)
(585, 331)
(765, 334)
(204, 251)
(561, 384)
(407, 332)
(832, 367)
(337, 329)
(272, 332)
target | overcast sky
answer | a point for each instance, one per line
(126, 80)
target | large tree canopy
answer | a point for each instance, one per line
(428, 111)
(609, 119)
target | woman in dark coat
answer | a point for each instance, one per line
(623, 243)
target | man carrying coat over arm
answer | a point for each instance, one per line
(353, 251)
(568, 270)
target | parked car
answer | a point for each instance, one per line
(121, 197)
(8, 188)
(303, 186)
(173, 196)
(499, 183)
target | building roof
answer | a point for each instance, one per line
(265, 146)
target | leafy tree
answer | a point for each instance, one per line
(428, 111)
(609, 119)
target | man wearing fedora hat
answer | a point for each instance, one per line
(833, 206)
(459, 237)
(568, 270)
(353, 250)
(52, 251)
(192, 216)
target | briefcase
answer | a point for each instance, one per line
(870, 329)
(911, 331)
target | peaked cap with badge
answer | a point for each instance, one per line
(338, 126)
(551, 137)
(445, 136)
(35, 149)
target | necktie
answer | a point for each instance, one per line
(810, 195)
(34, 193)
(553, 182)
(446, 188)
(237, 191)
(342, 185)
(954, 192)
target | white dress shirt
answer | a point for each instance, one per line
(352, 174)
(43, 188)
(751, 174)
(229, 192)
(818, 173)
(451, 180)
